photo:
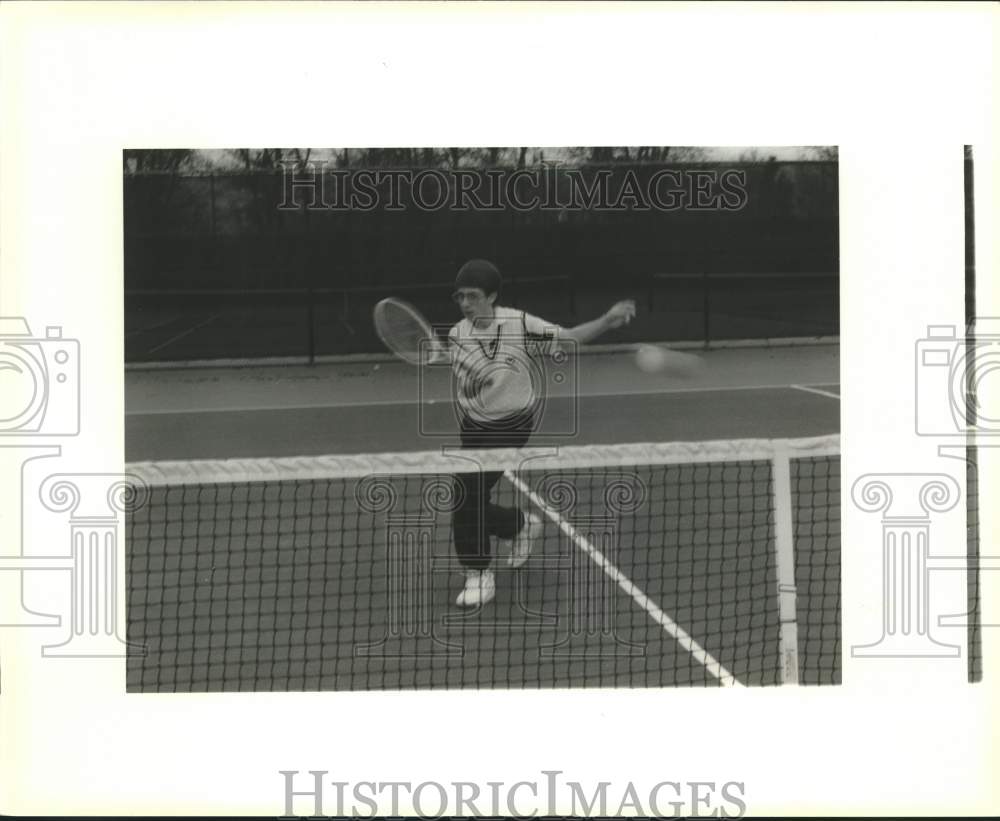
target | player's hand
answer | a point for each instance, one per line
(438, 352)
(621, 313)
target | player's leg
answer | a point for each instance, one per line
(519, 528)
(503, 521)
(476, 518)
(469, 518)
(472, 541)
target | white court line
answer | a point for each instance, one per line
(182, 334)
(809, 389)
(447, 399)
(670, 627)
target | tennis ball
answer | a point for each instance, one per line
(650, 358)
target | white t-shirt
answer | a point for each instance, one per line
(497, 370)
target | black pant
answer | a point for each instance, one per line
(475, 517)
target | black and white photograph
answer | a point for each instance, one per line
(498, 409)
(508, 417)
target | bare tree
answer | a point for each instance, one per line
(755, 155)
(255, 160)
(156, 160)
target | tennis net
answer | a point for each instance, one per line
(714, 563)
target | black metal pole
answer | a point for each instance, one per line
(310, 263)
(311, 319)
(706, 307)
(211, 205)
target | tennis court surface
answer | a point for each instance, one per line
(668, 558)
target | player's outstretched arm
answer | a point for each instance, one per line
(621, 313)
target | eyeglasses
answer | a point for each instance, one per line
(471, 296)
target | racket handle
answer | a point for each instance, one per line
(439, 352)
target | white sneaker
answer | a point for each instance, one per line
(480, 588)
(521, 545)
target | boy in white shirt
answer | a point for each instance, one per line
(490, 353)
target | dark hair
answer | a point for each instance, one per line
(479, 273)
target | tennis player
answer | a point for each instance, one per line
(491, 352)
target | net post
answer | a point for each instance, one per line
(784, 545)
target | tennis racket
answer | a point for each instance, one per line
(405, 332)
